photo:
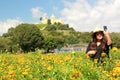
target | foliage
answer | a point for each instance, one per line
(71, 40)
(48, 21)
(9, 33)
(115, 39)
(58, 26)
(28, 36)
(62, 32)
(52, 43)
(62, 66)
(5, 44)
(50, 28)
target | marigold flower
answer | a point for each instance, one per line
(11, 73)
(95, 60)
(103, 54)
(114, 49)
(49, 68)
(24, 73)
(104, 71)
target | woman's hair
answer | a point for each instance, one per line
(103, 41)
(93, 46)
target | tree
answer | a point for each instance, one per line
(49, 22)
(52, 43)
(9, 33)
(50, 28)
(28, 36)
(5, 44)
(115, 39)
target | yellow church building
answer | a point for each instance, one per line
(53, 20)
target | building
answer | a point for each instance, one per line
(53, 20)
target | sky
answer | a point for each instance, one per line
(82, 15)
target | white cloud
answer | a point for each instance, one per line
(5, 25)
(84, 17)
(37, 12)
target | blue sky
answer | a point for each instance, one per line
(82, 15)
(22, 8)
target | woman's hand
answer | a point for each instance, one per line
(109, 42)
(91, 52)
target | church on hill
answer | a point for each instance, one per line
(52, 18)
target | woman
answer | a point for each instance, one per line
(100, 43)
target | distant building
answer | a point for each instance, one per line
(52, 18)
(55, 20)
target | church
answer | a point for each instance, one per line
(53, 20)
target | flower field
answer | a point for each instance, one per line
(62, 66)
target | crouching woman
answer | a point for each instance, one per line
(100, 43)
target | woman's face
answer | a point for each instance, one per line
(99, 36)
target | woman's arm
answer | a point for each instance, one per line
(91, 52)
(109, 42)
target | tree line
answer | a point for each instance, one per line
(29, 37)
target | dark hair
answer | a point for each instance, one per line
(93, 46)
(103, 41)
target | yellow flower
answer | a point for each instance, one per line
(117, 62)
(114, 49)
(11, 73)
(75, 71)
(71, 77)
(24, 73)
(50, 78)
(92, 66)
(112, 78)
(26, 66)
(99, 67)
(10, 67)
(104, 71)
(116, 70)
(103, 54)
(107, 75)
(49, 68)
(88, 56)
(115, 74)
(75, 74)
(28, 69)
(67, 57)
(95, 60)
